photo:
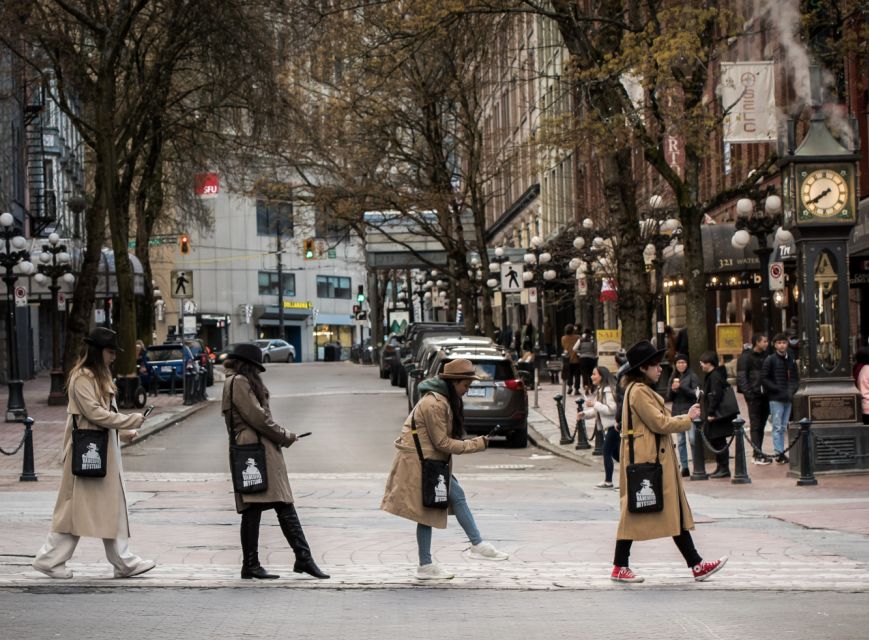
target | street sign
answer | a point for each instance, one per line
(582, 284)
(511, 280)
(532, 295)
(61, 301)
(776, 276)
(189, 325)
(182, 284)
(20, 296)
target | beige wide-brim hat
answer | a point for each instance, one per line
(460, 369)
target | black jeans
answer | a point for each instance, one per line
(758, 414)
(611, 443)
(586, 367)
(683, 541)
(572, 378)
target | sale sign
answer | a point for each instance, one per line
(207, 185)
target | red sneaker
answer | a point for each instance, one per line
(624, 574)
(704, 570)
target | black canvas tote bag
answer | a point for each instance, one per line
(89, 450)
(247, 462)
(435, 475)
(645, 479)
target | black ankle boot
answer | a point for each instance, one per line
(292, 529)
(251, 568)
(720, 472)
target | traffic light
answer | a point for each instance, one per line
(360, 297)
(356, 309)
(184, 244)
(309, 249)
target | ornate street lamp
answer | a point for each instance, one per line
(535, 260)
(494, 283)
(591, 250)
(54, 265)
(16, 261)
(663, 237)
(757, 217)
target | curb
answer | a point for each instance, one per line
(538, 440)
(166, 420)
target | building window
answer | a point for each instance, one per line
(268, 283)
(272, 216)
(333, 287)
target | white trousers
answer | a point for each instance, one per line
(60, 546)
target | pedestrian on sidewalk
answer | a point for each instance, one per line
(683, 393)
(438, 418)
(601, 407)
(716, 427)
(647, 416)
(749, 374)
(586, 348)
(780, 380)
(93, 507)
(571, 371)
(246, 410)
(861, 379)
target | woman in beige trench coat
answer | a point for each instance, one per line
(93, 507)
(440, 427)
(644, 412)
(246, 410)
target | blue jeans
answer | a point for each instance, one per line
(463, 514)
(780, 413)
(683, 445)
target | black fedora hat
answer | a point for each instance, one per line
(103, 338)
(248, 352)
(642, 353)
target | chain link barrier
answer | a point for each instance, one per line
(712, 449)
(16, 449)
(759, 452)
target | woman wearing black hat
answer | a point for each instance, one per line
(646, 417)
(94, 507)
(246, 411)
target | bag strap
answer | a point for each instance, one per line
(230, 424)
(631, 429)
(415, 435)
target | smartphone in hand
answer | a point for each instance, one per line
(494, 432)
(148, 410)
(302, 435)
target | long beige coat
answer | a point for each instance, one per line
(403, 495)
(651, 416)
(250, 418)
(93, 507)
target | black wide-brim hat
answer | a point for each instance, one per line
(103, 338)
(642, 353)
(248, 352)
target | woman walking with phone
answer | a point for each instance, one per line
(246, 411)
(95, 506)
(437, 421)
(646, 428)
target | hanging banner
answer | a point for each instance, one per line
(207, 185)
(747, 91)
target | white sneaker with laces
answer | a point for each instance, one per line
(487, 551)
(59, 573)
(432, 572)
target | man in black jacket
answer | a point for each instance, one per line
(717, 427)
(749, 370)
(780, 381)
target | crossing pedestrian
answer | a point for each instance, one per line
(93, 507)
(601, 407)
(439, 423)
(245, 407)
(683, 393)
(645, 416)
(749, 371)
(780, 380)
(716, 427)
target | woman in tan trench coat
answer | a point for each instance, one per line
(440, 427)
(644, 412)
(93, 507)
(246, 411)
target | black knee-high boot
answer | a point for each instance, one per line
(292, 528)
(250, 567)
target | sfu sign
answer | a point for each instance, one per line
(207, 185)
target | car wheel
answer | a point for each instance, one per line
(518, 439)
(266, 358)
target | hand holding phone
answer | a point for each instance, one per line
(148, 410)
(494, 432)
(302, 435)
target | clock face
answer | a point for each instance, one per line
(824, 192)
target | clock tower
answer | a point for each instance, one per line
(820, 208)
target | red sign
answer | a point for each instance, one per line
(207, 185)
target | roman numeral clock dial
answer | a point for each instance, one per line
(824, 193)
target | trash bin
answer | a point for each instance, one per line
(329, 354)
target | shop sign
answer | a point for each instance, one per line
(728, 339)
(297, 304)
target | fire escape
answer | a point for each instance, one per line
(42, 200)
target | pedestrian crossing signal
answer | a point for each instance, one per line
(184, 244)
(309, 249)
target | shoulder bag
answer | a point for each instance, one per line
(89, 450)
(728, 408)
(435, 475)
(247, 462)
(645, 479)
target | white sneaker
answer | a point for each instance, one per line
(486, 551)
(432, 572)
(143, 567)
(61, 573)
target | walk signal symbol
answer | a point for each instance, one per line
(184, 244)
(309, 249)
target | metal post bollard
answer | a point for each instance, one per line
(599, 436)
(581, 436)
(566, 438)
(172, 382)
(740, 468)
(807, 471)
(188, 388)
(698, 454)
(28, 474)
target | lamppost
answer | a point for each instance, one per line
(494, 283)
(662, 235)
(54, 265)
(757, 217)
(591, 251)
(535, 260)
(15, 256)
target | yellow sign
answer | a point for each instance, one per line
(609, 341)
(728, 339)
(609, 335)
(293, 304)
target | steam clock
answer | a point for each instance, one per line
(819, 184)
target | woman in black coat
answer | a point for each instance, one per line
(717, 430)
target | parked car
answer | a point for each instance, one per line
(429, 350)
(200, 352)
(499, 398)
(166, 358)
(277, 350)
(413, 338)
(387, 353)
